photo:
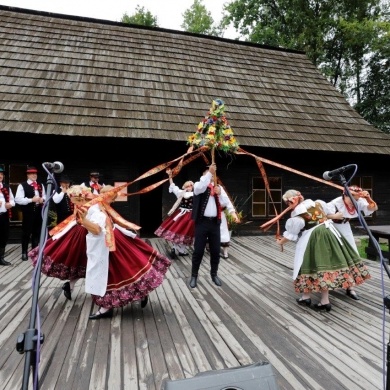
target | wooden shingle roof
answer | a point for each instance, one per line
(76, 76)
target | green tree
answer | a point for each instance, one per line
(337, 35)
(198, 20)
(141, 16)
(375, 103)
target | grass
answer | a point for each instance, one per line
(363, 245)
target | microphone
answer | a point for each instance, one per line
(328, 175)
(56, 166)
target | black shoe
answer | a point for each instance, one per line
(302, 301)
(216, 280)
(183, 253)
(144, 301)
(193, 281)
(173, 253)
(24, 256)
(98, 315)
(67, 292)
(4, 262)
(352, 294)
(320, 306)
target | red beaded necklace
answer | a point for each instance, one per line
(351, 210)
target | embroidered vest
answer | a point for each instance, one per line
(5, 191)
(313, 216)
(64, 209)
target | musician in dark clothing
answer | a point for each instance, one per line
(206, 213)
(63, 206)
(30, 195)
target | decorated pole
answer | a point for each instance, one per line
(214, 132)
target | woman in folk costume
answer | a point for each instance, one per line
(64, 254)
(178, 227)
(134, 268)
(324, 259)
(341, 210)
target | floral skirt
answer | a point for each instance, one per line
(181, 231)
(328, 264)
(135, 270)
(65, 258)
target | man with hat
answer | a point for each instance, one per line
(7, 201)
(30, 195)
(63, 205)
(93, 182)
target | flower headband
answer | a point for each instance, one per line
(79, 191)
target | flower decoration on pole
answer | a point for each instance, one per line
(214, 131)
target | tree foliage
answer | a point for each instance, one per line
(343, 38)
(142, 17)
(198, 20)
(375, 103)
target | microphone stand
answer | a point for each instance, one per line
(385, 266)
(27, 342)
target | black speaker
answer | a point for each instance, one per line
(257, 376)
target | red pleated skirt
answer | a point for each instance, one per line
(65, 258)
(135, 270)
(181, 231)
(135, 267)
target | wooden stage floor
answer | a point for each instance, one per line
(252, 318)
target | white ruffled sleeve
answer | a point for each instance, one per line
(293, 228)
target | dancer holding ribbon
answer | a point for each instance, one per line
(324, 259)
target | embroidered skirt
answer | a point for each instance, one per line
(329, 263)
(179, 229)
(135, 270)
(66, 257)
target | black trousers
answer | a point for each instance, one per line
(31, 228)
(206, 230)
(4, 229)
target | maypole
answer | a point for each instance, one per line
(215, 132)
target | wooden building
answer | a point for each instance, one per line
(123, 99)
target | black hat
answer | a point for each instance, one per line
(64, 179)
(94, 174)
(31, 170)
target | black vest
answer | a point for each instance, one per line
(64, 208)
(29, 192)
(199, 205)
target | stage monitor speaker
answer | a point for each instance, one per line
(257, 376)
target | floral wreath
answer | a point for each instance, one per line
(79, 191)
(214, 130)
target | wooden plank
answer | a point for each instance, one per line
(181, 332)
(129, 357)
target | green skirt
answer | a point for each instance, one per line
(328, 265)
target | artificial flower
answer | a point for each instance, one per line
(214, 130)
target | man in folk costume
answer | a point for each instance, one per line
(215, 133)
(7, 201)
(30, 195)
(206, 213)
(93, 182)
